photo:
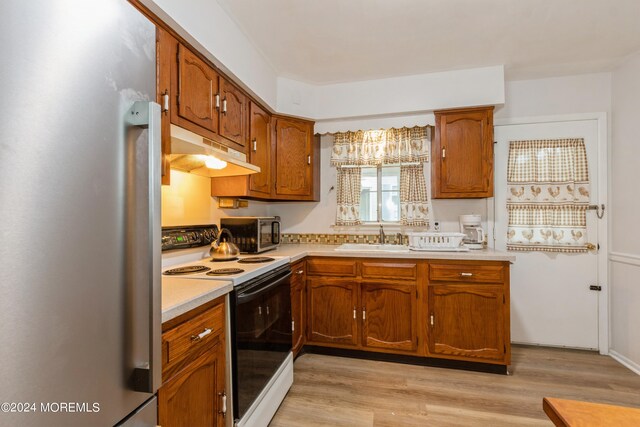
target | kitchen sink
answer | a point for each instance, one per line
(366, 247)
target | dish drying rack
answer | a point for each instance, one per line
(436, 241)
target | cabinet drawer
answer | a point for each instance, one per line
(388, 270)
(298, 271)
(331, 267)
(476, 273)
(186, 341)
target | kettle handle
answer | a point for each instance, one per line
(224, 230)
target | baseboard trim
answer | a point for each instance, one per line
(409, 360)
(623, 360)
(624, 258)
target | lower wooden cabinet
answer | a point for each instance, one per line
(331, 311)
(298, 306)
(455, 310)
(389, 316)
(194, 397)
(466, 321)
(193, 372)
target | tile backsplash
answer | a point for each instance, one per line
(338, 239)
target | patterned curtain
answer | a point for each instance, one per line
(376, 147)
(548, 195)
(348, 209)
(414, 208)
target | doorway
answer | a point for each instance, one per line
(552, 300)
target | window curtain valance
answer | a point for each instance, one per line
(408, 147)
(376, 147)
(548, 195)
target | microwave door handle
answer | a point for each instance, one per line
(143, 257)
(275, 232)
(250, 296)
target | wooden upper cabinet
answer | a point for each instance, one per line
(462, 153)
(295, 159)
(259, 150)
(332, 305)
(467, 322)
(389, 316)
(232, 112)
(197, 91)
(166, 48)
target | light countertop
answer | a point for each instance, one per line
(297, 251)
(180, 295)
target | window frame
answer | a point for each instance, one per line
(379, 219)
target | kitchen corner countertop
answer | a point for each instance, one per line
(297, 251)
(180, 295)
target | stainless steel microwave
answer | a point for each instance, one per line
(253, 234)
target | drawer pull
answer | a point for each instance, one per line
(299, 271)
(466, 274)
(201, 335)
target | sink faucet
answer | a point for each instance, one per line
(383, 238)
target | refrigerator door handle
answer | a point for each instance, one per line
(147, 376)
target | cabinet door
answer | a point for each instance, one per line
(194, 397)
(260, 149)
(197, 90)
(463, 154)
(467, 322)
(331, 311)
(293, 158)
(297, 316)
(389, 316)
(232, 112)
(166, 47)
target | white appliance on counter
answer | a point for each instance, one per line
(80, 149)
(471, 227)
(259, 313)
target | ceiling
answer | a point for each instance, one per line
(330, 41)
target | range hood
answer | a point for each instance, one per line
(189, 152)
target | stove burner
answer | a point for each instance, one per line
(225, 271)
(255, 260)
(189, 269)
(223, 260)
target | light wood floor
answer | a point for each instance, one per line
(335, 391)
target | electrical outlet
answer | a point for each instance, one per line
(436, 226)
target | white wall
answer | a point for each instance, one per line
(398, 95)
(625, 206)
(585, 93)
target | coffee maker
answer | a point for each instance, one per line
(471, 227)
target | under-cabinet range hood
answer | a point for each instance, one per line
(190, 153)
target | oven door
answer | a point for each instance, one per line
(262, 336)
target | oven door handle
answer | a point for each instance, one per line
(249, 296)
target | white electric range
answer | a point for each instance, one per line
(259, 312)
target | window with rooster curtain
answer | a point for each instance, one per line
(548, 195)
(406, 147)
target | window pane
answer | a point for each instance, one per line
(390, 206)
(369, 194)
(391, 178)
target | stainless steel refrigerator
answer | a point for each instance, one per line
(79, 215)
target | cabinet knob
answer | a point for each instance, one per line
(299, 271)
(466, 274)
(309, 159)
(255, 145)
(165, 101)
(224, 106)
(217, 101)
